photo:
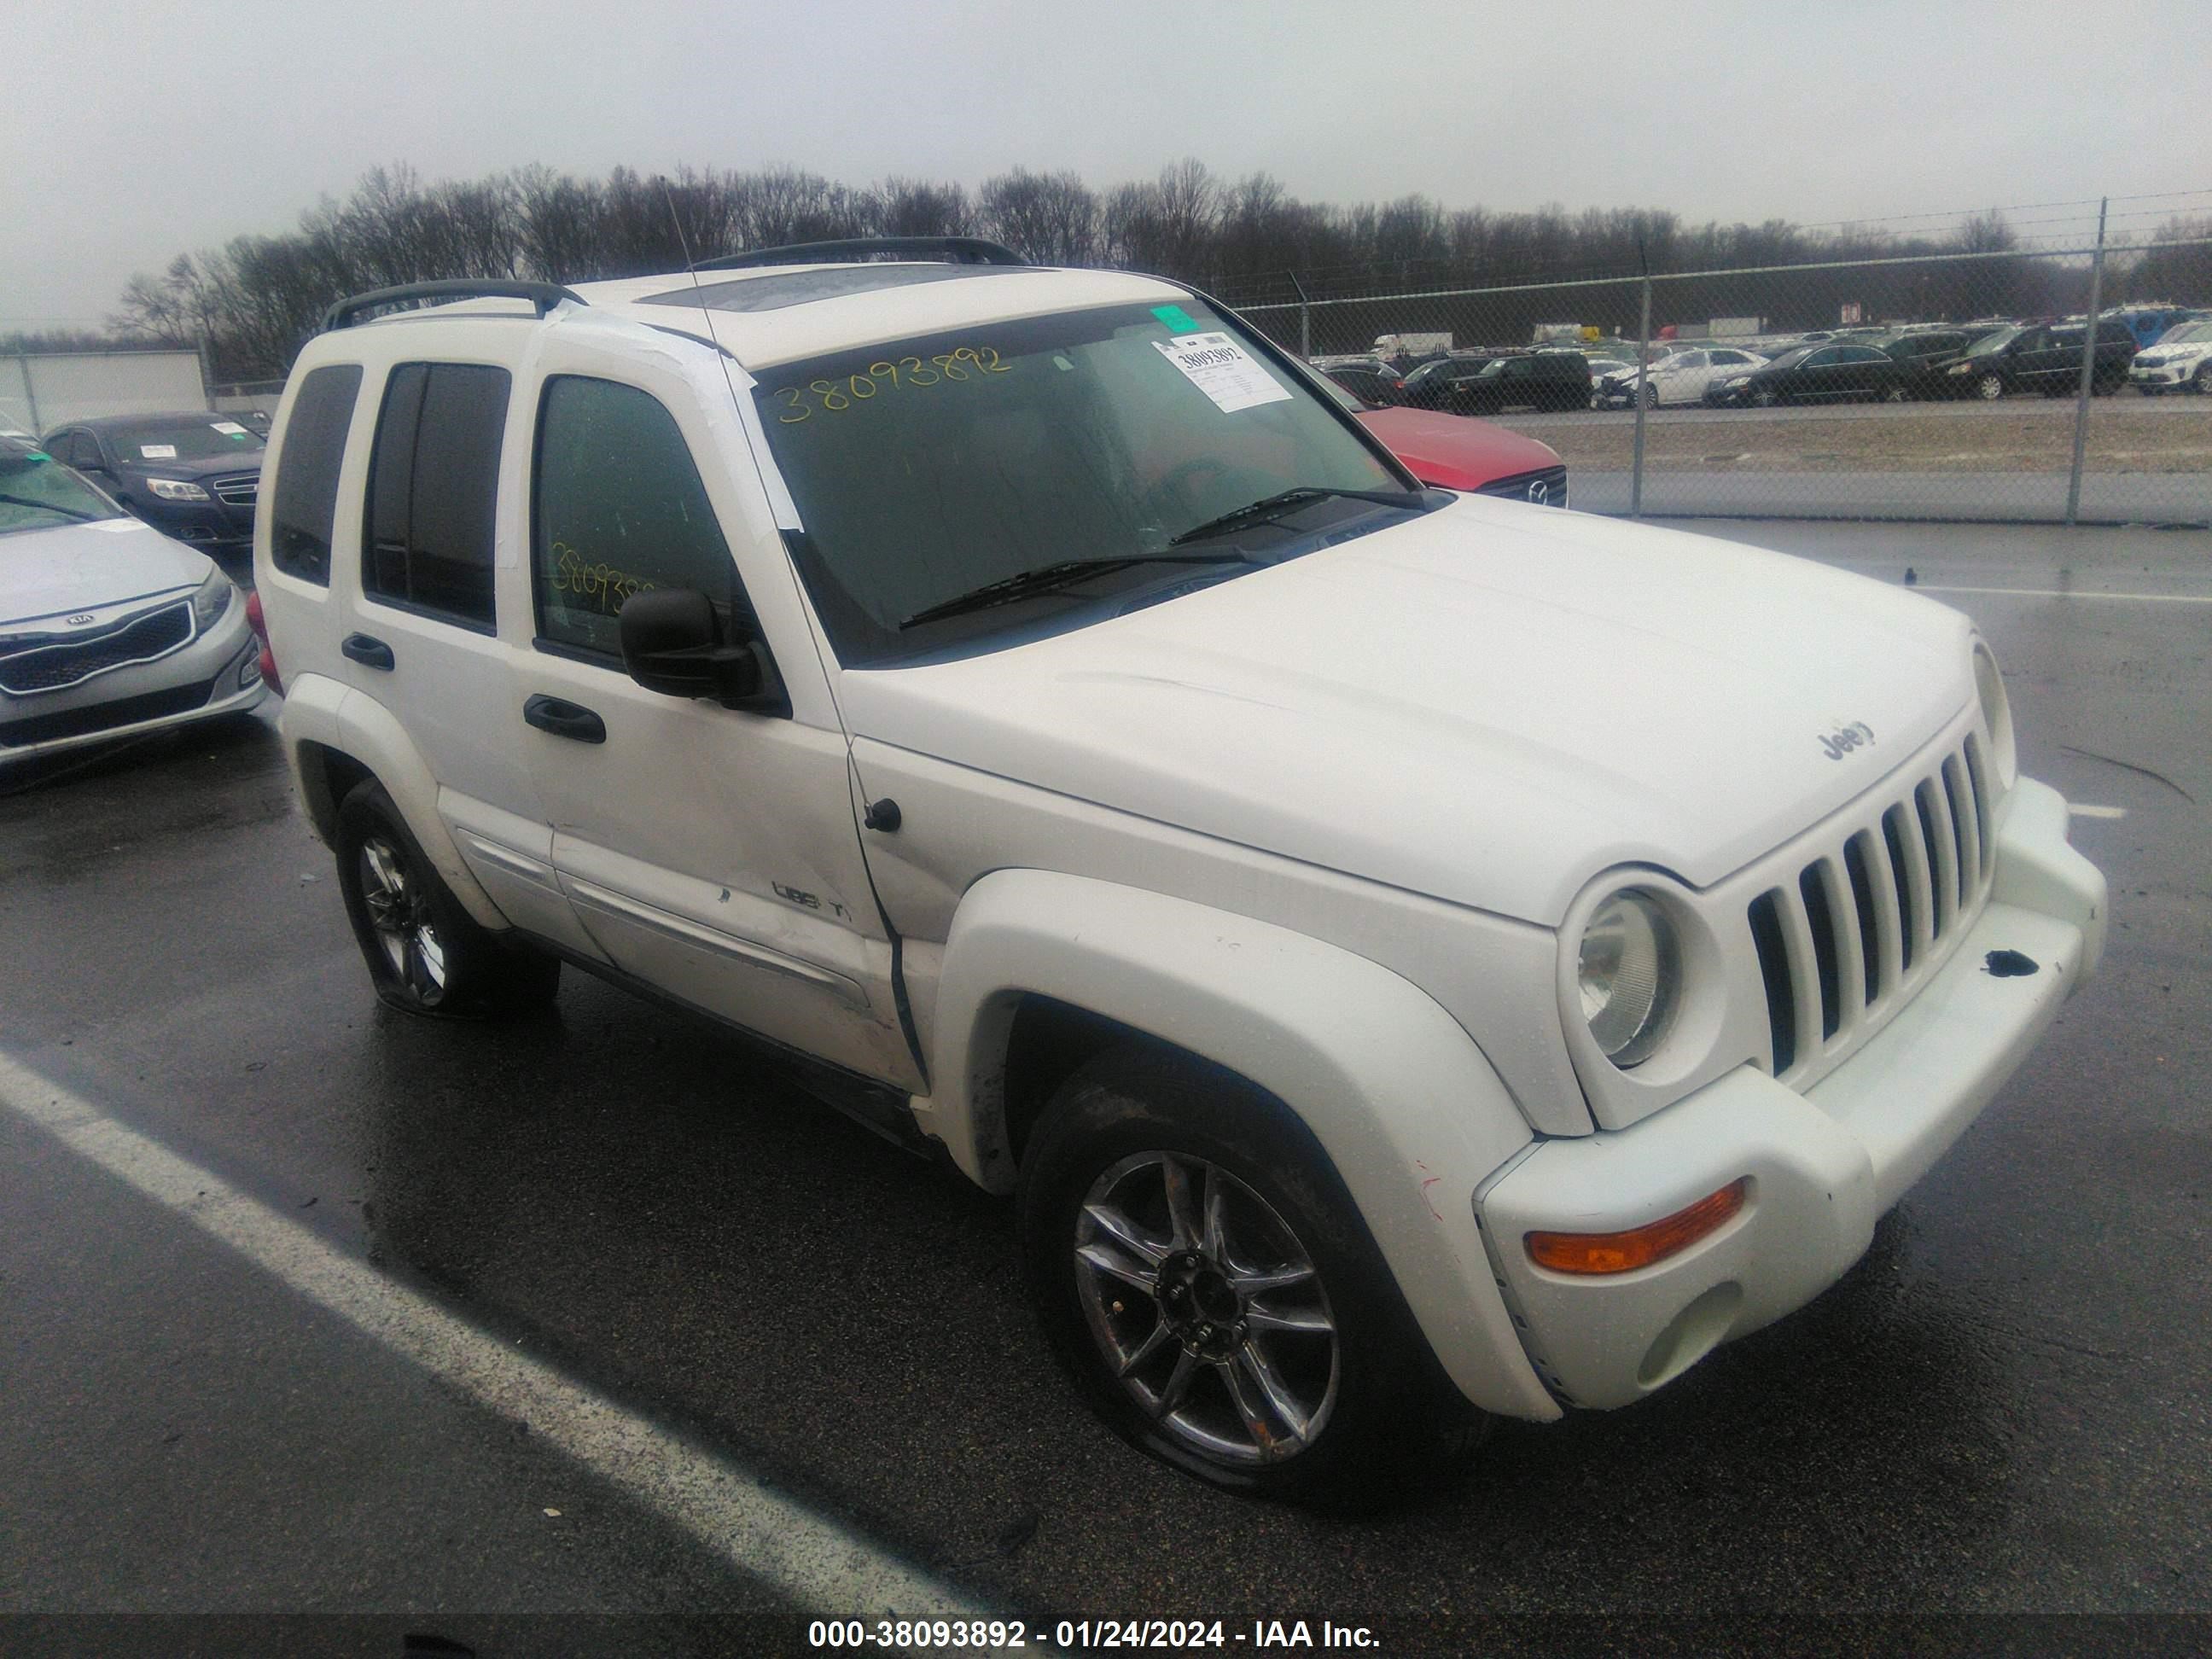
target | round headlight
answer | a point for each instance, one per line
(1997, 716)
(1628, 971)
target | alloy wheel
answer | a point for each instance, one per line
(1206, 1306)
(399, 913)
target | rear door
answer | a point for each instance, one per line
(711, 852)
(425, 641)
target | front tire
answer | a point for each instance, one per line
(1206, 1279)
(2201, 382)
(1989, 388)
(425, 953)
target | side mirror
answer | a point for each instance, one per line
(671, 643)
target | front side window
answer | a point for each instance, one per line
(616, 508)
(306, 497)
(926, 470)
(432, 486)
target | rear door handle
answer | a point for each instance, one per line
(564, 719)
(370, 653)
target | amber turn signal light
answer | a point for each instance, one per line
(1639, 1247)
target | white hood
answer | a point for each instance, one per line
(51, 573)
(1488, 705)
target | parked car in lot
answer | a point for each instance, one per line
(1819, 372)
(1370, 379)
(1539, 381)
(1412, 959)
(1438, 383)
(2045, 357)
(2182, 359)
(192, 475)
(1926, 355)
(107, 628)
(1682, 376)
(1458, 452)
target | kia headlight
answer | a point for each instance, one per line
(1997, 716)
(176, 489)
(212, 600)
(1629, 972)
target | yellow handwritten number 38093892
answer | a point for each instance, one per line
(968, 365)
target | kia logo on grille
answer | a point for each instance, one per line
(1539, 494)
(80, 619)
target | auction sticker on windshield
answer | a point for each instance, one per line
(1223, 370)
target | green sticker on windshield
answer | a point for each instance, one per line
(1178, 320)
(40, 455)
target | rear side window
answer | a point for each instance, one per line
(307, 463)
(432, 488)
(617, 508)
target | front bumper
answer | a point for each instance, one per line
(217, 673)
(1824, 1166)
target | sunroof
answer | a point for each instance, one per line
(797, 287)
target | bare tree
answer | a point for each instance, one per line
(1051, 217)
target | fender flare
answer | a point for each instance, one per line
(1399, 1095)
(363, 729)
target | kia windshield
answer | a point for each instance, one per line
(1040, 473)
(37, 493)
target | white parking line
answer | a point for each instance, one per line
(2081, 810)
(771, 1538)
(2061, 593)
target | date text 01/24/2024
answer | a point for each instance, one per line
(1006, 1635)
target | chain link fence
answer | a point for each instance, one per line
(1958, 386)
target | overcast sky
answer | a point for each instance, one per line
(134, 132)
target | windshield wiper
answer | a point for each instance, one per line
(1046, 578)
(49, 507)
(1272, 505)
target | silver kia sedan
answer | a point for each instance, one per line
(107, 627)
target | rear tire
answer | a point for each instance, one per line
(1205, 1277)
(425, 953)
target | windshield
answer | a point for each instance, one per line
(37, 493)
(1791, 358)
(199, 439)
(1990, 342)
(2187, 334)
(926, 470)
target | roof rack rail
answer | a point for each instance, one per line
(543, 295)
(960, 250)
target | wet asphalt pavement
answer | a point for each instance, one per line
(2001, 1409)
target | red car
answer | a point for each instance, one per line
(1458, 452)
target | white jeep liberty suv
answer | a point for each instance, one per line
(1415, 958)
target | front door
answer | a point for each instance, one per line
(710, 852)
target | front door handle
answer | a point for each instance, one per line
(369, 652)
(564, 719)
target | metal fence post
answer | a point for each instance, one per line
(2089, 369)
(1642, 366)
(1305, 317)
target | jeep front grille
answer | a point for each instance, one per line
(1874, 912)
(44, 663)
